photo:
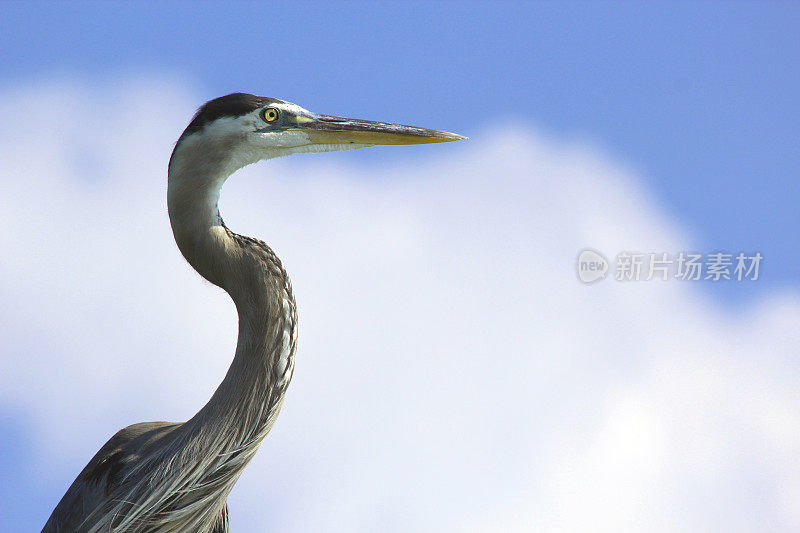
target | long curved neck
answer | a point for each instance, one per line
(191, 471)
(246, 403)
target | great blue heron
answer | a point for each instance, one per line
(176, 477)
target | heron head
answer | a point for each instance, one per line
(240, 129)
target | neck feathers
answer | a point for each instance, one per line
(246, 268)
(226, 432)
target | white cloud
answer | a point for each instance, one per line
(452, 374)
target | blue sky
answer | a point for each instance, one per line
(660, 127)
(699, 97)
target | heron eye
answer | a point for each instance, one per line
(270, 114)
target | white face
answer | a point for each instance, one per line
(203, 160)
(282, 128)
(257, 135)
(230, 143)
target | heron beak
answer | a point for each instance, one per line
(325, 129)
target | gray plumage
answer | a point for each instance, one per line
(175, 477)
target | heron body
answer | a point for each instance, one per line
(175, 477)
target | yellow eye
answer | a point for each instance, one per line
(270, 114)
